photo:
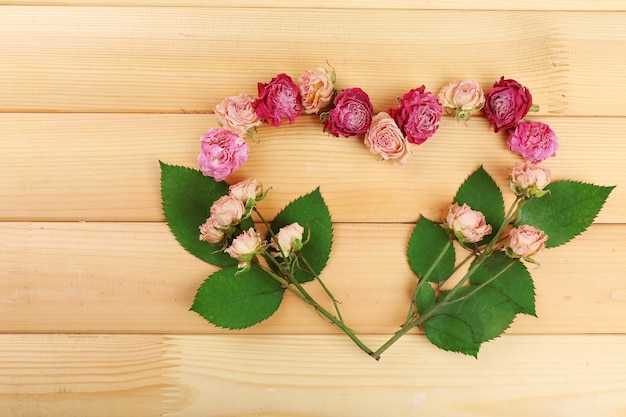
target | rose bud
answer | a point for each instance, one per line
(462, 98)
(385, 138)
(529, 180)
(279, 99)
(210, 233)
(227, 211)
(418, 115)
(534, 141)
(222, 152)
(506, 104)
(316, 89)
(245, 247)
(469, 226)
(526, 241)
(288, 239)
(247, 190)
(236, 114)
(351, 115)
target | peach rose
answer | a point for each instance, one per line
(528, 179)
(385, 138)
(210, 233)
(462, 98)
(289, 240)
(236, 114)
(227, 211)
(469, 226)
(526, 241)
(245, 247)
(246, 190)
(316, 89)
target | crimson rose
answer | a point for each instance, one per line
(418, 115)
(351, 115)
(506, 104)
(279, 99)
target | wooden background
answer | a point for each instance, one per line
(95, 291)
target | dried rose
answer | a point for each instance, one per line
(506, 104)
(462, 98)
(385, 138)
(418, 115)
(227, 211)
(316, 89)
(222, 152)
(237, 114)
(210, 233)
(247, 190)
(245, 247)
(526, 241)
(279, 99)
(529, 180)
(288, 239)
(469, 226)
(351, 115)
(534, 141)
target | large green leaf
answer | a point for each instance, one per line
(187, 196)
(430, 251)
(311, 212)
(481, 193)
(566, 211)
(237, 302)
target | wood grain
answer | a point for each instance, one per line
(118, 59)
(299, 376)
(104, 167)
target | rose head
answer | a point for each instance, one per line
(469, 226)
(529, 180)
(534, 141)
(279, 99)
(351, 115)
(222, 152)
(237, 114)
(526, 241)
(210, 233)
(245, 247)
(316, 89)
(385, 138)
(288, 239)
(462, 98)
(227, 211)
(247, 190)
(506, 104)
(418, 115)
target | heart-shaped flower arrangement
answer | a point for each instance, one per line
(218, 223)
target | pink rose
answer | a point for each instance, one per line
(526, 241)
(316, 89)
(222, 153)
(245, 247)
(462, 98)
(385, 138)
(288, 239)
(534, 141)
(418, 115)
(247, 190)
(351, 115)
(279, 99)
(469, 226)
(227, 211)
(529, 180)
(506, 104)
(236, 114)
(210, 233)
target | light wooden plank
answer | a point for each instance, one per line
(133, 277)
(91, 59)
(578, 5)
(105, 167)
(310, 376)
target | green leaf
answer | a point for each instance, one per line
(566, 211)
(311, 212)
(237, 302)
(471, 317)
(187, 196)
(510, 278)
(430, 251)
(425, 298)
(481, 193)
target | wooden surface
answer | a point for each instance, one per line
(95, 291)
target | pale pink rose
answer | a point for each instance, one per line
(210, 233)
(469, 226)
(245, 247)
(246, 190)
(526, 241)
(236, 114)
(462, 98)
(288, 239)
(316, 89)
(528, 179)
(222, 152)
(227, 211)
(385, 138)
(534, 141)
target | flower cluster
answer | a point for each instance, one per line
(223, 227)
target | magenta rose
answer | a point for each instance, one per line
(279, 99)
(351, 115)
(506, 104)
(418, 115)
(534, 141)
(222, 152)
